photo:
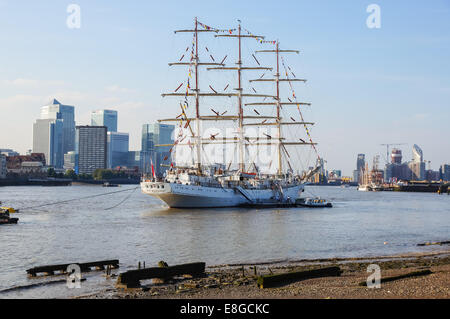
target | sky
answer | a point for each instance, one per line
(367, 86)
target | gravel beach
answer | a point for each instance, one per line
(239, 281)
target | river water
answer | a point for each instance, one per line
(143, 229)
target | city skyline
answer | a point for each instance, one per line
(362, 86)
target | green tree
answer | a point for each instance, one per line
(70, 174)
(51, 172)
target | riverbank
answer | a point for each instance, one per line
(238, 281)
(36, 182)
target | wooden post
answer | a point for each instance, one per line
(290, 277)
(131, 278)
(408, 275)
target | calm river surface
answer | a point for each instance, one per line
(143, 229)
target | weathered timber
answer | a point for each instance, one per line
(50, 269)
(277, 280)
(408, 275)
(435, 243)
(132, 278)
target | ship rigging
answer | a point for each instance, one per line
(219, 185)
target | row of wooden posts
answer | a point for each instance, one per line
(132, 278)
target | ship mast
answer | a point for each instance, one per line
(197, 110)
(240, 140)
(239, 89)
(196, 90)
(278, 102)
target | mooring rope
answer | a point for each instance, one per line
(129, 195)
(80, 198)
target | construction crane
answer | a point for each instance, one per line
(387, 149)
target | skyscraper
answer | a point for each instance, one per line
(66, 113)
(360, 164)
(117, 149)
(396, 156)
(417, 165)
(70, 160)
(54, 132)
(444, 172)
(106, 118)
(48, 138)
(91, 148)
(417, 154)
(152, 135)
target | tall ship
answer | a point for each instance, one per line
(252, 123)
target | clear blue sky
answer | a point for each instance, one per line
(367, 86)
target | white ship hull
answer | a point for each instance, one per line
(193, 196)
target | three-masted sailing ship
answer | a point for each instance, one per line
(204, 184)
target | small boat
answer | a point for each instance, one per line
(5, 219)
(314, 202)
(364, 188)
(8, 209)
(108, 184)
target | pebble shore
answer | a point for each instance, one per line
(239, 281)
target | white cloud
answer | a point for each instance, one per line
(118, 89)
(32, 83)
(129, 105)
(420, 116)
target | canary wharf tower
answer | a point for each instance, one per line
(55, 110)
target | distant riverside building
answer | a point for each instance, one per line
(91, 148)
(396, 170)
(431, 175)
(48, 139)
(396, 156)
(54, 132)
(2, 166)
(69, 160)
(29, 169)
(8, 152)
(360, 164)
(417, 165)
(66, 113)
(444, 172)
(335, 174)
(117, 149)
(134, 160)
(32, 165)
(417, 154)
(16, 161)
(417, 171)
(106, 118)
(152, 135)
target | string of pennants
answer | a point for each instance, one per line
(207, 27)
(230, 31)
(259, 39)
(298, 105)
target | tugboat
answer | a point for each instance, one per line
(314, 202)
